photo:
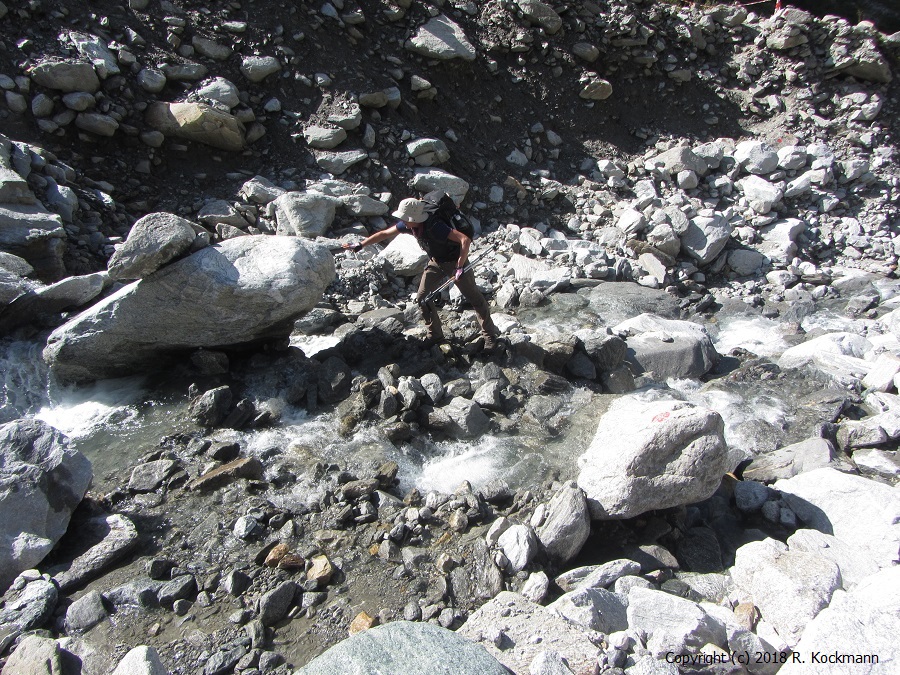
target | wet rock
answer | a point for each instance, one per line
(198, 122)
(274, 605)
(789, 587)
(856, 510)
(107, 539)
(190, 302)
(680, 449)
(247, 467)
(667, 347)
(440, 38)
(469, 421)
(211, 407)
(182, 587)
(150, 475)
(42, 481)
(505, 627)
(405, 648)
(223, 661)
(567, 526)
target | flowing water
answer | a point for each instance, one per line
(115, 422)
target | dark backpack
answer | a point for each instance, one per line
(442, 207)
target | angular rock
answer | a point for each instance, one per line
(220, 90)
(324, 137)
(649, 455)
(505, 627)
(760, 193)
(238, 291)
(338, 162)
(862, 622)
(567, 526)
(42, 480)
(672, 624)
(790, 460)
(780, 239)
(35, 655)
(859, 511)
(854, 563)
(107, 539)
(141, 660)
(31, 607)
(404, 648)
(404, 256)
(154, 240)
(36, 235)
(668, 347)
(788, 587)
(705, 238)
(85, 613)
(428, 179)
(304, 214)
(198, 122)
(677, 160)
(756, 157)
(66, 75)
(540, 14)
(258, 68)
(594, 608)
(469, 421)
(274, 605)
(440, 38)
(519, 544)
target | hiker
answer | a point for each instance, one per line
(448, 251)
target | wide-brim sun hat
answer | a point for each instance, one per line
(411, 210)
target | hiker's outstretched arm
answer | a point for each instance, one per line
(374, 238)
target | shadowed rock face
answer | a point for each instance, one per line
(242, 290)
(883, 13)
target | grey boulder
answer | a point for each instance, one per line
(42, 480)
(66, 76)
(198, 122)
(304, 214)
(440, 38)
(404, 256)
(141, 660)
(567, 525)
(405, 648)
(859, 511)
(649, 455)
(668, 347)
(153, 241)
(789, 587)
(31, 232)
(672, 624)
(241, 290)
(706, 237)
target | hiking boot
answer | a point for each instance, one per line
(490, 343)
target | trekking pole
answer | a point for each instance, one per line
(452, 280)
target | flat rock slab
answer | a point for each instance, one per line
(246, 467)
(441, 38)
(111, 538)
(789, 587)
(859, 511)
(405, 648)
(506, 626)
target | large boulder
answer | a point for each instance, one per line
(789, 587)
(304, 214)
(668, 347)
(242, 290)
(31, 232)
(859, 511)
(649, 455)
(706, 237)
(42, 480)
(567, 526)
(861, 626)
(405, 648)
(198, 122)
(441, 38)
(153, 241)
(404, 256)
(65, 76)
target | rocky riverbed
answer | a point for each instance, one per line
(225, 448)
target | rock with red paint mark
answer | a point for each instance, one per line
(649, 455)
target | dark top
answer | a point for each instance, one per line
(434, 238)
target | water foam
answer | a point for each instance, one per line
(758, 336)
